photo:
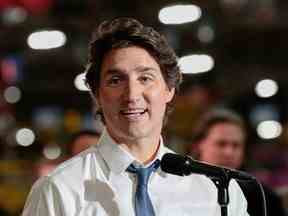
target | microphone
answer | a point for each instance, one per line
(184, 165)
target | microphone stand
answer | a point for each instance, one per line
(222, 184)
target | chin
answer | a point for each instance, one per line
(137, 133)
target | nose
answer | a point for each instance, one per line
(132, 91)
(229, 151)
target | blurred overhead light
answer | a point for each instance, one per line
(205, 34)
(269, 129)
(194, 64)
(12, 94)
(46, 39)
(179, 14)
(52, 152)
(79, 82)
(25, 137)
(14, 15)
(266, 88)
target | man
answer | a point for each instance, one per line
(133, 76)
(220, 139)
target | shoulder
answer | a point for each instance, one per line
(67, 179)
(76, 168)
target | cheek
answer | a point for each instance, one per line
(158, 97)
(206, 149)
(240, 153)
(106, 98)
(108, 104)
(157, 106)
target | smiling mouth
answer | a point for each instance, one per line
(133, 113)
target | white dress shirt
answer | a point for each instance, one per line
(95, 183)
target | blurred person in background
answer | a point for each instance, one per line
(133, 76)
(220, 139)
(82, 140)
(79, 141)
(44, 166)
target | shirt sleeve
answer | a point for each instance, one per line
(238, 202)
(43, 200)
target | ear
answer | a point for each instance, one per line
(170, 94)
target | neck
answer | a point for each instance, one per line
(144, 151)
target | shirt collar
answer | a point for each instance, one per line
(117, 158)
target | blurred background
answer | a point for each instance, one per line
(231, 51)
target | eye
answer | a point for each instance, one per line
(221, 144)
(114, 81)
(145, 79)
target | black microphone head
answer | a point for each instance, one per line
(183, 165)
(175, 164)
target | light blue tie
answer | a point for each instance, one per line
(143, 205)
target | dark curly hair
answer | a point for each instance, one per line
(127, 32)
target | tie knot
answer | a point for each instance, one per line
(142, 173)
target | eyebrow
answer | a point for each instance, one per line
(139, 69)
(112, 72)
(144, 69)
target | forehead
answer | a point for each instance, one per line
(128, 58)
(226, 130)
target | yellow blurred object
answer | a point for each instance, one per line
(72, 121)
(15, 196)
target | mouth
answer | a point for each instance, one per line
(133, 114)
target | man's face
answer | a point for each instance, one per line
(223, 145)
(132, 94)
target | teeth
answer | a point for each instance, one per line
(131, 112)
